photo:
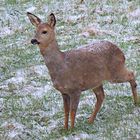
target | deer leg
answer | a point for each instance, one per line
(134, 91)
(99, 92)
(133, 84)
(74, 100)
(66, 100)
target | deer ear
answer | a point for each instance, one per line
(52, 20)
(34, 19)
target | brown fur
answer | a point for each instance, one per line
(80, 69)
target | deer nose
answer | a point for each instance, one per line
(34, 41)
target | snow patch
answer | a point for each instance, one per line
(12, 129)
(82, 136)
(46, 9)
(15, 83)
(6, 31)
(41, 91)
(135, 13)
(40, 70)
(74, 18)
(52, 126)
(31, 9)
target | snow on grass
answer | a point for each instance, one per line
(31, 9)
(135, 13)
(30, 108)
(6, 31)
(13, 129)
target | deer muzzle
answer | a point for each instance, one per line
(34, 42)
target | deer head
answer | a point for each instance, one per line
(44, 33)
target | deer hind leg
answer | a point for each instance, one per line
(66, 100)
(128, 76)
(99, 92)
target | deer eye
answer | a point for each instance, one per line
(44, 32)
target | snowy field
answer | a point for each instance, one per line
(30, 108)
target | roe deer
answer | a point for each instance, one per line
(80, 69)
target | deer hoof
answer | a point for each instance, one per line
(90, 120)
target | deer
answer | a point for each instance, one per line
(81, 68)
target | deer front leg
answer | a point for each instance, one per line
(74, 100)
(66, 100)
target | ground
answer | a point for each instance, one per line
(30, 108)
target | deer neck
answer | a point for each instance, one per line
(54, 58)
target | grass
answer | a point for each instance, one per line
(30, 108)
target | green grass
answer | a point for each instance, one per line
(30, 108)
